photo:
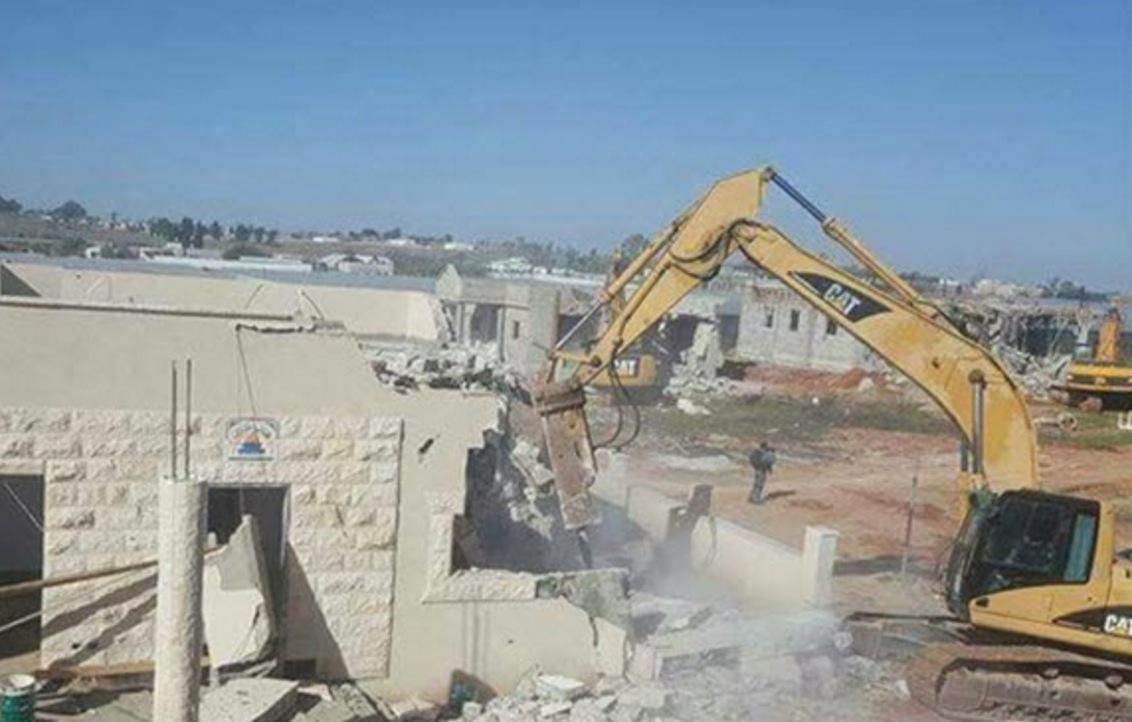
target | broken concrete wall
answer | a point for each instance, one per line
(489, 624)
(85, 405)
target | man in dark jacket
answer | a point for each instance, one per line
(762, 460)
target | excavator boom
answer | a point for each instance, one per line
(968, 383)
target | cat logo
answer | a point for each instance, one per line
(841, 298)
(847, 302)
(1118, 624)
(627, 367)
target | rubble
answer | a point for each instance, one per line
(557, 687)
(412, 365)
(691, 407)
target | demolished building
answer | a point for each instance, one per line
(360, 492)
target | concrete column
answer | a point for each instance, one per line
(180, 551)
(469, 313)
(819, 551)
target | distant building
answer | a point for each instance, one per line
(458, 246)
(324, 239)
(401, 242)
(357, 263)
(150, 253)
(514, 266)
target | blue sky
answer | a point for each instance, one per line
(961, 137)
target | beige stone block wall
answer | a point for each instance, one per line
(100, 471)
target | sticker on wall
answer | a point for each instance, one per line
(252, 438)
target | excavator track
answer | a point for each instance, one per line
(1011, 682)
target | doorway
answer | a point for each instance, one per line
(21, 560)
(227, 505)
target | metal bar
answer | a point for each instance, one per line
(173, 425)
(978, 401)
(842, 237)
(188, 410)
(581, 322)
(796, 194)
(908, 528)
(22, 588)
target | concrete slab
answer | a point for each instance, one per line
(236, 605)
(250, 700)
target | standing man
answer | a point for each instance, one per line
(762, 459)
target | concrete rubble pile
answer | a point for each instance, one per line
(727, 681)
(412, 366)
(1008, 329)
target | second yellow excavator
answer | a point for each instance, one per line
(1041, 602)
(1107, 375)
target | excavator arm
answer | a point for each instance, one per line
(968, 383)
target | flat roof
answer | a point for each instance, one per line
(312, 278)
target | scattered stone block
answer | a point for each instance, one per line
(558, 687)
(250, 700)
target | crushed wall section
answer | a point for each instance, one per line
(488, 624)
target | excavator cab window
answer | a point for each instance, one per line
(1034, 539)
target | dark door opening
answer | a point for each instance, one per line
(227, 506)
(21, 560)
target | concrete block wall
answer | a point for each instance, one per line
(101, 471)
(768, 573)
(807, 347)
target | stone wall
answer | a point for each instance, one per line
(101, 470)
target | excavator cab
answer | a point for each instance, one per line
(1017, 540)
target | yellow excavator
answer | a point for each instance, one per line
(1041, 604)
(1107, 376)
(632, 373)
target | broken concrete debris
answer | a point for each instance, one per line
(557, 687)
(439, 366)
(250, 700)
(237, 606)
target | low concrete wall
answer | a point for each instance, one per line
(764, 571)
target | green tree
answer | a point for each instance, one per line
(163, 228)
(71, 247)
(215, 231)
(632, 246)
(9, 205)
(69, 211)
(235, 251)
(199, 230)
(184, 233)
(242, 233)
